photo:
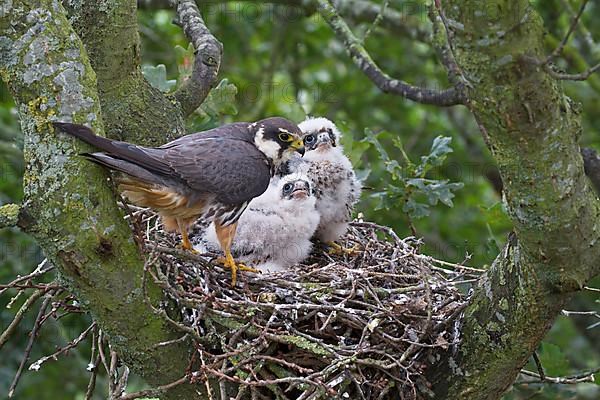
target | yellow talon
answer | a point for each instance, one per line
(186, 244)
(229, 262)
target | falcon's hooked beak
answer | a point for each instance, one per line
(298, 145)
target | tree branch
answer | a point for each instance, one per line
(206, 62)
(133, 109)
(573, 77)
(532, 131)
(74, 216)
(365, 63)
(9, 215)
(406, 22)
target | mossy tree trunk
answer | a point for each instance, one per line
(71, 70)
(532, 129)
(68, 206)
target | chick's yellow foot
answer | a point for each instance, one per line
(229, 262)
(337, 249)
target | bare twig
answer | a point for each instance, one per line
(538, 365)
(19, 316)
(567, 380)
(93, 367)
(573, 77)
(40, 270)
(156, 392)
(377, 20)
(365, 63)
(207, 58)
(558, 50)
(32, 336)
(36, 365)
(170, 342)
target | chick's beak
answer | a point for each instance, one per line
(298, 145)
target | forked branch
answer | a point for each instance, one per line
(208, 51)
(387, 84)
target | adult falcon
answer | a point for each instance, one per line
(212, 174)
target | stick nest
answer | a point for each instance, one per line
(364, 326)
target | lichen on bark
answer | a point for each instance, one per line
(532, 130)
(134, 110)
(72, 211)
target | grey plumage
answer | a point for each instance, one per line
(212, 174)
(275, 231)
(335, 184)
(223, 161)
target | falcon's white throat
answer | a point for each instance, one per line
(269, 148)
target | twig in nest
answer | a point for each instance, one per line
(156, 392)
(334, 324)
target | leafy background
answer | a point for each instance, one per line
(426, 170)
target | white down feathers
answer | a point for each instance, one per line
(335, 185)
(275, 230)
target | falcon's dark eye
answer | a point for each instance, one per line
(285, 137)
(287, 188)
(310, 139)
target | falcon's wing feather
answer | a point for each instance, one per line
(233, 169)
(236, 130)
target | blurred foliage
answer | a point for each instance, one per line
(408, 185)
(283, 61)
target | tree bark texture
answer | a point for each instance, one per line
(70, 209)
(87, 70)
(532, 129)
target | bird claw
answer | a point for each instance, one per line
(336, 249)
(229, 262)
(189, 248)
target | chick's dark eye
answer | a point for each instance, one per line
(284, 137)
(287, 188)
(309, 139)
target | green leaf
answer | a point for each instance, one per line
(373, 139)
(220, 100)
(553, 360)
(437, 155)
(157, 76)
(436, 190)
(362, 174)
(415, 209)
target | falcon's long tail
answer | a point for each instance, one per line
(122, 156)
